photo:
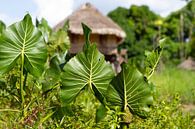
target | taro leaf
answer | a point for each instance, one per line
(130, 91)
(152, 59)
(87, 68)
(23, 40)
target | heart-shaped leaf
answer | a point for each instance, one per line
(23, 40)
(87, 68)
(130, 91)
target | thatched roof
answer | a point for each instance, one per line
(188, 64)
(90, 16)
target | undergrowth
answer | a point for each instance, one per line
(165, 113)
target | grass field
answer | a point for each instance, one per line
(171, 80)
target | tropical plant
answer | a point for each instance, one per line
(130, 89)
(58, 44)
(131, 92)
(23, 44)
(87, 69)
(86, 78)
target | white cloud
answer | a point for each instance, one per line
(54, 10)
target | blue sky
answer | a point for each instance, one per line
(56, 10)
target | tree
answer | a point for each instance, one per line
(141, 31)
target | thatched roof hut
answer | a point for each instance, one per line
(107, 34)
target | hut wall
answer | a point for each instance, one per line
(107, 44)
(76, 43)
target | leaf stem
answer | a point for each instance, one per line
(9, 110)
(22, 83)
(125, 94)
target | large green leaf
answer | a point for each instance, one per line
(87, 68)
(130, 91)
(23, 40)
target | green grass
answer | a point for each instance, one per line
(171, 80)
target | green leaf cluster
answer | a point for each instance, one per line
(41, 53)
(129, 90)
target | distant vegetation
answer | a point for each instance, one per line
(144, 28)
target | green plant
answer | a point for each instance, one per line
(165, 113)
(22, 44)
(57, 46)
(25, 73)
(86, 79)
(87, 68)
(130, 89)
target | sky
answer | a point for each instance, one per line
(56, 10)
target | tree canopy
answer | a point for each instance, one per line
(144, 28)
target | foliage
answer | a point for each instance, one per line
(131, 91)
(44, 28)
(166, 113)
(21, 41)
(68, 94)
(171, 52)
(20, 44)
(144, 31)
(57, 46)
(87, 68)
(192, 46)
(138, 23)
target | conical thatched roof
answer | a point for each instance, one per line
(89, 15)
(188, 64)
